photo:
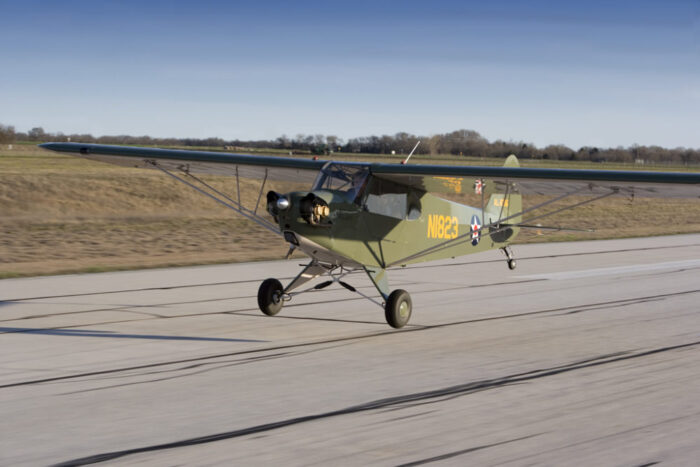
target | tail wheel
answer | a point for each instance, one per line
(270, 297)
(511, 264)
(398, 308)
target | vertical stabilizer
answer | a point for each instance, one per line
(511, 161)
(505, 204)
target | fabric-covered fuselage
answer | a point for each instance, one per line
(378, 223)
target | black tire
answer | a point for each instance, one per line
(511, 264)
(398, 308)
(270, 297)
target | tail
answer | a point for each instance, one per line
(504, 207)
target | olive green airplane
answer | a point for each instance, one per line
(369, 217)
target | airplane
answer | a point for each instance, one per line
(369, 217)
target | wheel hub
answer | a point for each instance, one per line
(403, 310)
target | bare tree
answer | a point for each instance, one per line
(7, 133)
(36, 134)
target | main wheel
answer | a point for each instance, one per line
(398, 308)
(270, 297)
(511, 264)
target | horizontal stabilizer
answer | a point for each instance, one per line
(547, 227)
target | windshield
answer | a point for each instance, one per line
(349, 179)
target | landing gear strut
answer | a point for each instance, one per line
(509, 255)
(397, 304)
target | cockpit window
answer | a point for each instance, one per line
(393, 200)
(349, 179)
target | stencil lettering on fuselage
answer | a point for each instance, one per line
(442, 227)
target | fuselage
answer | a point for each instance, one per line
(375, 223)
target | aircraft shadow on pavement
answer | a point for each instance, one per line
(116, 335)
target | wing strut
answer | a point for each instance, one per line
(262, 187)
(498, 228)
(547, 214)
(222, 198)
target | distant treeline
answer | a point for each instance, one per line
(461, 142)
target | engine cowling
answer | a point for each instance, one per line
(314, 209)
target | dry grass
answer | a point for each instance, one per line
(62, 214)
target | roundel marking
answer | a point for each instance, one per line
(475, 226)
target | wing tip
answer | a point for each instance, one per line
(49, 146)
(53, 146)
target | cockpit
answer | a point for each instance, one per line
(374, 195)
(348, 179)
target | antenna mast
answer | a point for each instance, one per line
(412, 151)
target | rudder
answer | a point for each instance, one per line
(503, 204)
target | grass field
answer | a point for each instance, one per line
(61, 214)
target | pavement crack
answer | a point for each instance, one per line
(193, 369)
(395, 401)
(352, 338)
(188, 370)
(461, 452)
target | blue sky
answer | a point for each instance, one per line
(599, 73)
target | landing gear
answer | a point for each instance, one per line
(509, 254)
(397, 305)
(270, 297)
(398, 308)
(271, 294)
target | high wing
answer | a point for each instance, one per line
(201, 162)
(461, 179)
(182, 165)
(431, 178)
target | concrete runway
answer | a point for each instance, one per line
(587, 354)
